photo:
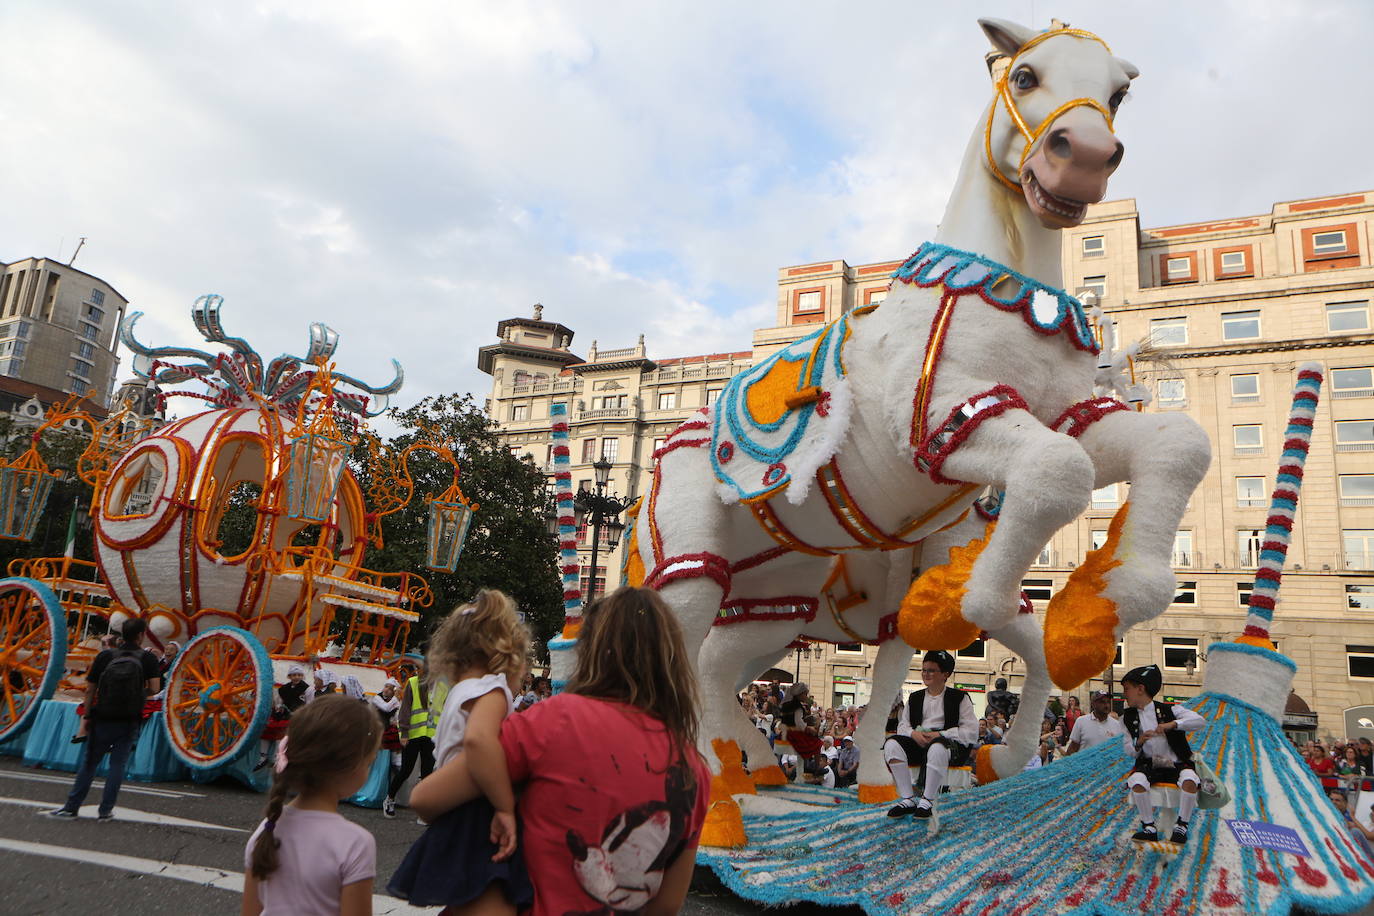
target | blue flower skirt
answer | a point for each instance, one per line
(450, 864)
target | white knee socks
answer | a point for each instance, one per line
(1187, 804)
(1144, 806)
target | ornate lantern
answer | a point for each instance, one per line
(314, 465)
(24, 489)
(448, 528)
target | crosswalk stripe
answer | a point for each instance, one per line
(195, 874)
(99, 783)
(128, 814)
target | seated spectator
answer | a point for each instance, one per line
(986, 735)
(847, 768)
(1362, 834)
(1321, 764)
(1365, 750)
(1350, 770)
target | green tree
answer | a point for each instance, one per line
(507, 546)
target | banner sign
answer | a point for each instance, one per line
(1263, 835)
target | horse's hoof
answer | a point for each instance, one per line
(769, 776)
(877, 795)
(931, 613)
(733, 777)
(983, 770)
(724, 826)
(1080, 622)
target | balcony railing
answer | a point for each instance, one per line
(607, 413)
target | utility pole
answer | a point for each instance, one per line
(77, 252)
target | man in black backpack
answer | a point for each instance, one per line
(118, 682)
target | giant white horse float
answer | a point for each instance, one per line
(806, 499)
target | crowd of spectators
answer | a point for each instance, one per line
(1346, 765)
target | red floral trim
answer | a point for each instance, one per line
(758, 559)
(747, 609)
(562, 477)
(561, 451)
(689, 425)
(571, 569)
(680, 443)
(567, 545)
(1078, 417)
(887, 628)
(1253, 630)
(712, 566)
(936, 459)
(926, 383)
(572, 594)
(559, 427)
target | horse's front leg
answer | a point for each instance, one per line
(1048, 481)
(889, 672)
(1130, 579)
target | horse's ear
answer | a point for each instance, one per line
(1132, 71)
(1007, 37)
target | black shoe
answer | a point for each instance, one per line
(1180, 834)
(102, 818)
(903, 807)
(61, 813)
(924, 808)
(261, 763)
(78, 739)
(1147, 833)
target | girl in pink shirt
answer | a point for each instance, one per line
(614, 792)
(306, 859)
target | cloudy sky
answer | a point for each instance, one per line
(413, 172)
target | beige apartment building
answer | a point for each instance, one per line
(58, 328)
(1230, 309)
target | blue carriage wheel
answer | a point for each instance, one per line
(219, 695)
(33, 651)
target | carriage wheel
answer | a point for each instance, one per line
(33, 651)
(404, 670)
(219, 694)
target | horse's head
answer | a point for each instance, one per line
(1049, 132)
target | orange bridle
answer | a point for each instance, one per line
(1031, 136)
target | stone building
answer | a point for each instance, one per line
(58, 327)
(1230, 308)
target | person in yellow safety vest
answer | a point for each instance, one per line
(421, 706)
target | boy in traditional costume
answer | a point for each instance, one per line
(1156, 735)
(938, 731)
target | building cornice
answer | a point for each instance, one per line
(1170, 354)
(642, 363)
(486, 355)
(1242, 293)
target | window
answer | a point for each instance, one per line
(1233, 262)
(1168, 332)
(1245, 388)
(1352, 383)
(1038, 589)
(89, 331)
(1248, 439)
(1097, 285)
(1357, 489)
(20, 346)
(610, 447)
(1108, 497)
(1183, 549)
(1243, 590)
(94, 314)
(1171, 392)
(1332, 242)
(97, 297)
(658, 444)
(1187, 593)
(81, 369)
(1094, 246)
(1359, 597)
(711, 395)
(584, 580)
(1120, 659)
(1358, 544)
(667, 400)
(1250, 492)
(588, 451)
(875, 296)
(519, 411)
(1044, 557)
(1098, 539)
(1179, 652)
(1180, 268)
(976, 649)
(853, 648)
(584, 486)
(1240, 325)
(1248, 541)
(1354, 435)
(1360, 660)
(1347, 316)
(85, 351)
(809, 301)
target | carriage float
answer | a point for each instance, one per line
(240, 528)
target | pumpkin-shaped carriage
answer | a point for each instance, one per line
(239, 531)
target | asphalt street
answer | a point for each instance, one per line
(178, 848)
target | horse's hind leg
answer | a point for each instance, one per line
(1048, 481)
(889, 672)
(1130, 579)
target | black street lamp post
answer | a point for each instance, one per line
(600, 509)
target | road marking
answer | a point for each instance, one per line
(99, 783)
(194, 874)
(126, 814)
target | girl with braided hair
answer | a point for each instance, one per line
(305, 857)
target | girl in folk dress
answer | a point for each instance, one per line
(305, 857)
(468, 856)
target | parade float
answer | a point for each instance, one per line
(890, 478)
(239, 532)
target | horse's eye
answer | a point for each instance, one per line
(1024, 79)
(1117, 98)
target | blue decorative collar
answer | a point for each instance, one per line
(1044, 308)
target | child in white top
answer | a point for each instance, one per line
(305, 859)
(468, 856)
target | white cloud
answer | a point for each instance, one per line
(413, 174)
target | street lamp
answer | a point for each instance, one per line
(601, 510)
(803, 649)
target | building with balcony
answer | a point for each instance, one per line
(59, 327)
(1230, 308)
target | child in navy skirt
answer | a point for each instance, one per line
(480, 648)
